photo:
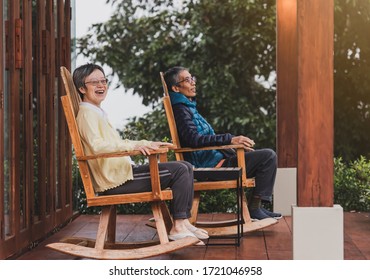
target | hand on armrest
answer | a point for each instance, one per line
(245, 141)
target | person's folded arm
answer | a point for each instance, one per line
(188, 133)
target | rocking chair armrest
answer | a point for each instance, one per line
(184, 150)
(153, 166)
(240, 153)
(121, 154)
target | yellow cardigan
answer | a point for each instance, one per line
(99, 136)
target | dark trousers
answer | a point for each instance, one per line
(260, 164)
(177, 175)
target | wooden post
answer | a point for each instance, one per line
(306, 124)
(305, 96)
(287, 83)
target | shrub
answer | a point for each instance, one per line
(352, 184)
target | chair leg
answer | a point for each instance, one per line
(246, 215)
(105, 218)
(112, 225)
(159, 222)
(166, 216)
(194, 209)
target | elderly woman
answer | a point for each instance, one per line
(117, 175)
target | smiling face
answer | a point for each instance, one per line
(95, 89)
(186, 84)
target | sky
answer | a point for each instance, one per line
(119, 104)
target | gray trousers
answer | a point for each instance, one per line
(177, 175)
(260, 164)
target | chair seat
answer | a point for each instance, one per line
(217, 174)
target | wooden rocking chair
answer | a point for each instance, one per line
(220, 228)
(105, 246)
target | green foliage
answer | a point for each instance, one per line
(229, 45)
(351, 79)
(226, 44)
(218, 201)
(352, 184)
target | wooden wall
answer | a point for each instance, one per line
(35, 169)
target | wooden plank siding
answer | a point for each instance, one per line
(63, 58)
(2, 66)
(35, 177)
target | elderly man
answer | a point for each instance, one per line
(194, 131)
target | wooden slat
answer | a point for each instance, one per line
(154, 178)
(41, 117)
(2, 67)
(218, 185)
(72, 125)
(70, 89)
(103, 227)
(127, 198)
(172, 124)
(120, 154)
(50, 115)
(241, 163)
(62, 57)
(15, 167)
(28, 139)
(159, 222)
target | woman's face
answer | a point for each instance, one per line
(95, 89)
(187, 84)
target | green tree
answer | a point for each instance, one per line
(226, 44)
(352, 79)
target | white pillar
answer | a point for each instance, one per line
(318, 233)
(285, 191)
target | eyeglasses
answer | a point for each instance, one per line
(95, 83)
(188, 80)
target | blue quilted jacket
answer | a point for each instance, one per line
(194, 131)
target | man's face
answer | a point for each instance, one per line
(186, 84)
